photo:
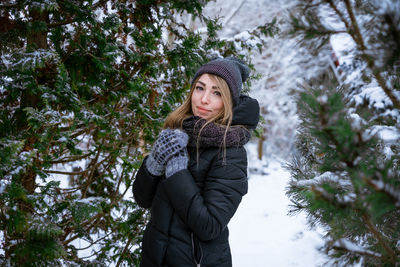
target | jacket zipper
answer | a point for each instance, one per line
(194, 243)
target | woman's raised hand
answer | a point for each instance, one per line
(169, 143)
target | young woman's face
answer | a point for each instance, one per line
(206, 98)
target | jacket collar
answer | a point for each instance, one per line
(246, 112)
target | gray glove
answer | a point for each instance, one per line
(168, 144)
(177, 163)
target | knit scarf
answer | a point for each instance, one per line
(212, 135)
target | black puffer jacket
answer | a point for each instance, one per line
(191, 209)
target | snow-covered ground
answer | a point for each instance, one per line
(261, 232)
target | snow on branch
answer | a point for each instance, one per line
(334, 199)
(92, 200)
(29, 60)
(326, 177)
(389, 134)
(388, 189)
(314, 185)
(354, 248)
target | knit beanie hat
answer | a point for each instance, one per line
(231, 69)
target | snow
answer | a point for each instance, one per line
(379, 99)
(388, 133)
(63, 139)
(323, 99)
(261, 232)
(343, 243)
(325, 177)
(3, 187)
(389, 189)
(90, 200)
(276, 66)
(99, 15)
(342, 44)
(6, 60)
(16, 171)
(356, 122)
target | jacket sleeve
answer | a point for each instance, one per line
(145, 186)
(207, 213)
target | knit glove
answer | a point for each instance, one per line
(168, 144)
(177, 163)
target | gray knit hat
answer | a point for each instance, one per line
(231, 69)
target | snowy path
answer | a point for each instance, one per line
(261, 233)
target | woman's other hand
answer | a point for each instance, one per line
(177, 163)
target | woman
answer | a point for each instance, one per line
(196, 174)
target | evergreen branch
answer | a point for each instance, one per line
(99, 3)
(349, 162)
(312, 30)
(66, 173)
(8, 6)
(124, 251)
(89, 180)
(57, 24)
(326, 177)
(95, 242)
(354, 29)
(296, 207)
(90, 54)
(69, 159)
(355, 32)
(94, 166)
(337, 11)
(116, 200)
(67, 232)
(383, 187)
(382, 84)
(120, 180)
(121, 177)
(69, 190)
(393, 30)
(89, 256)
(70, 48)
(331, 32)
(330, 198)
(94, 222)
(78, 133)
(379, 237)
(342, 245)
(84, 130)
(375, 232)
(180, 24)
(309, 5)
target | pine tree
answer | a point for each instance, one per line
(346, 172)
(84, 87)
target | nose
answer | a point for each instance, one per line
(205, 98)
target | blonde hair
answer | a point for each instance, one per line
(224, 118)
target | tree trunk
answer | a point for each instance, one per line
(38, 39)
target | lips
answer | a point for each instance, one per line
(202, 110)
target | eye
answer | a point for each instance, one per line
(217, 93)
(199, 88)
